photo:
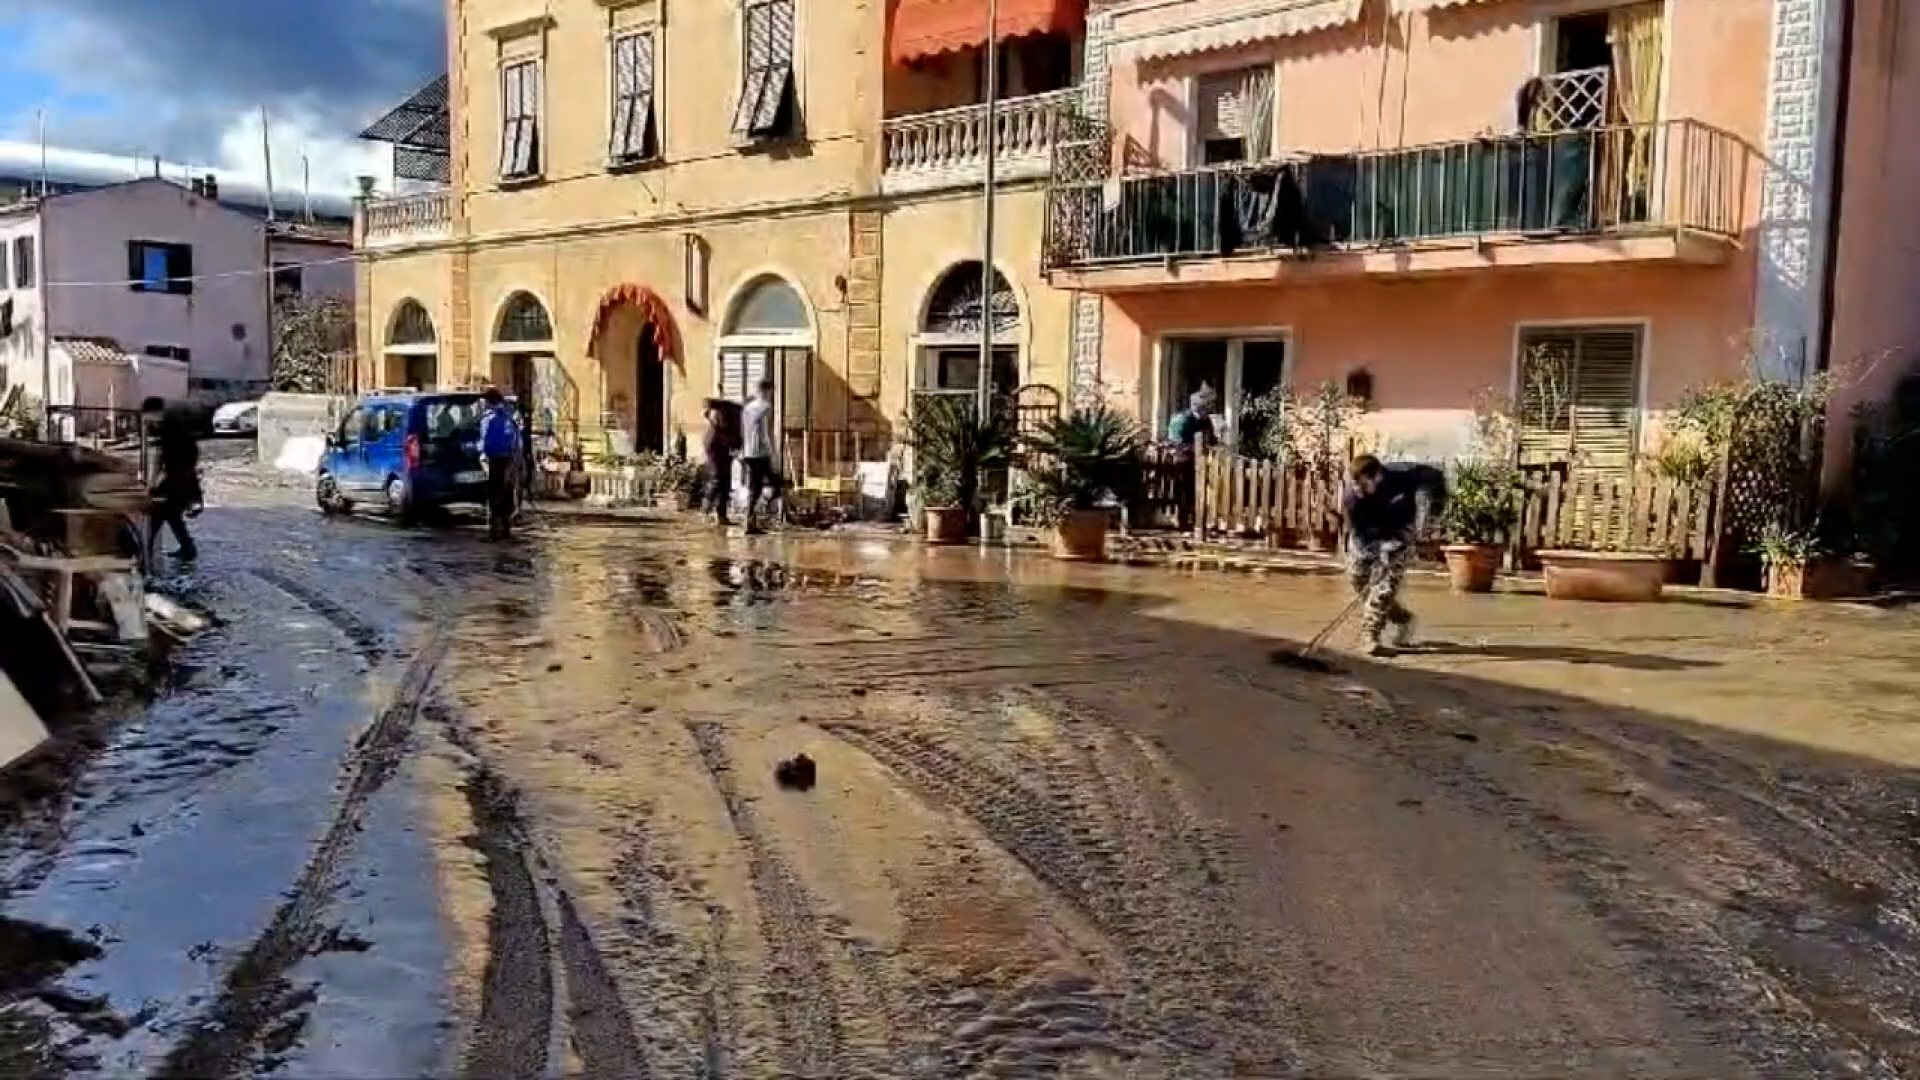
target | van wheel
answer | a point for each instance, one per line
(326, 492)
(397, 506)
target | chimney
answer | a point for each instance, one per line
(210, 186)
(196, 185)
(366, 186)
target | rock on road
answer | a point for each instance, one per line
(1069, 822)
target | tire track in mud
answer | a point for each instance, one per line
(514, 1035)
(365, 637)
(1677, 939)
(801, 990)
(1137, 868)
(692, 975)
(257, 1008)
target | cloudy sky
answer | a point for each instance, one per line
(185, 79)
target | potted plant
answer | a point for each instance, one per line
(1082, 462)
(676, 481)
(952, 446)
(1794, 562)
(1482, 505)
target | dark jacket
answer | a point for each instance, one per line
(177, 445)
(1408, 497)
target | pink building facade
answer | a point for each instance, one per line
(1415, 199)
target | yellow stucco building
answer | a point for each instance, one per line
(623, 207)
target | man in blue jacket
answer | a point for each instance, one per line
(1388, 509)
(500, 444)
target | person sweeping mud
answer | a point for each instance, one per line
(1388, 508)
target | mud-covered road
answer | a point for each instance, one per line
(429, 806)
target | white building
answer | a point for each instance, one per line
(152, 270)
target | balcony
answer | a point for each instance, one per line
(400, 220)
(1670, 191)
(948, 148)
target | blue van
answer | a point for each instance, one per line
(405, 453)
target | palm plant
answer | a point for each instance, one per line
(952, 446)
(1082, 459)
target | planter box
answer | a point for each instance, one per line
(1821, 579)
(677, 501)
(1604, 576)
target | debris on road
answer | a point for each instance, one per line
(795, 773)
(72, 592)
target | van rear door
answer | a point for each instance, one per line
(450, 438)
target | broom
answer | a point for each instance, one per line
(1304, 659)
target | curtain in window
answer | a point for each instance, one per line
(1635, 34)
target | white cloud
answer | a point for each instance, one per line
(332, 162)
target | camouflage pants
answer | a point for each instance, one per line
(1376, 571)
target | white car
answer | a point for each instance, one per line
(237, 418)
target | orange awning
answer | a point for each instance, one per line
(921, 28)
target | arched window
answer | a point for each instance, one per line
(769, 306)
(411, 325)
(955, 307)
(524, 319)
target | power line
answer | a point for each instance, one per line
(223, 275)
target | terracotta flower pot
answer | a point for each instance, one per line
(1081, 536)
(946, 524)
(677, 501)
(1820, 579)
(1472, 567)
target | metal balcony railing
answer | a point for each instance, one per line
(405, 218)
(931, 149)
(1667, 176)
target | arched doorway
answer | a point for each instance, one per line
(411, 350)
(636, 343)
(948, 344)
(768, 334)
(522, 363)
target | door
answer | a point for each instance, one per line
(650, 404)
(348, 458)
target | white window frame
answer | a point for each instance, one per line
(1640, 323)
(615, 39)
(1196, 146)
(1236, 338)
(537, 166)
(743, 14)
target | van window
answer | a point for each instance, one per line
(457, 418)
(351, 425)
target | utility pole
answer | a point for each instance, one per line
(266, 151)
(987, 276)
(45, 184)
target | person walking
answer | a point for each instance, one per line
(1388, 509)
(176, 492)
(756, 452)
(721, 441)
(500, 444)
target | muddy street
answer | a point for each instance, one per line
(425, 805)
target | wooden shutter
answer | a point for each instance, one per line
(740, 371)
(767, 86)
(137, 265)
(1589, 408)
(1223, 105)
(1606, 398)
(510, 94)
(796, 389)
(633, 96)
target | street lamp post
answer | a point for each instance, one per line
(987, 276)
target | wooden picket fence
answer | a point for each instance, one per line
(1278, 506)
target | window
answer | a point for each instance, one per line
(956, 370)
(351, 425)
(5, 280)
(633, 137)
(169, 352)
(1235, 111)
(1579, 396)
(768, 107)
(158, 267)
(520, 120)
(287, 280)
(23, 262)
(1235, 370)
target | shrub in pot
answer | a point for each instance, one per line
(952, 446)
(1081, 464)
(676, 484)
(1795, 563)
(1483, 502)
